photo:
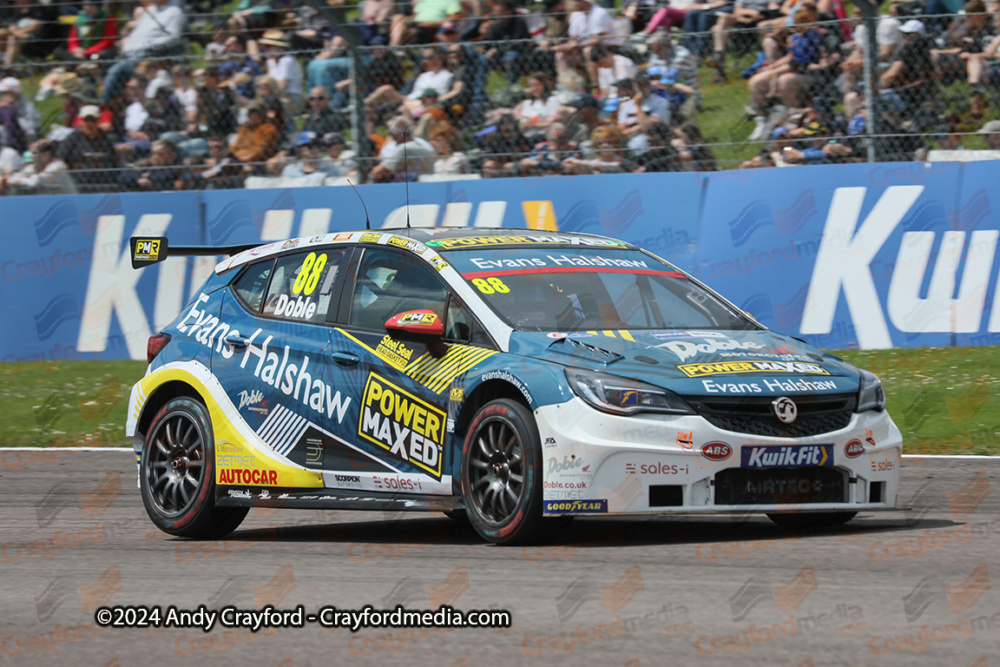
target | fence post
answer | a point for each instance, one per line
(869, 15)
(354, 42)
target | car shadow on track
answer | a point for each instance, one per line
(589, 532)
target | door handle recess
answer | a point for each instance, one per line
(345, 358)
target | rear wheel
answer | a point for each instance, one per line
(177, 476)
(502, 473)
(811, 519)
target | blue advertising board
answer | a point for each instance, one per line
(869, 256)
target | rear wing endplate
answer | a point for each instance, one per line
(149, 250)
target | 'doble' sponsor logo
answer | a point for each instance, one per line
(770, 456)
(735, 367)
(576, 506)
(409, 428)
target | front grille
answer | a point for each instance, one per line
(780, 486)
(754, 415)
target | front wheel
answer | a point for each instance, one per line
(811, 519)
(177, 476)
(502, 473)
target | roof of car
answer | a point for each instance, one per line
(428, 241)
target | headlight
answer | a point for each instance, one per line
(623, 396)
(871, 396)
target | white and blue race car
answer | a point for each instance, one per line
(507, 376)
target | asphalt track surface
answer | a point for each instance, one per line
(900, 588)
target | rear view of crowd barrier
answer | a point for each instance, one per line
(114, 97)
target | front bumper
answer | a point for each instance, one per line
(598, 463)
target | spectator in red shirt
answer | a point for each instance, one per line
(92, 36)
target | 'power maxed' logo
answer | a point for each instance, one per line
(727, 367)
(147, 250)
(769, 456)
(410, 429)
(576, 506)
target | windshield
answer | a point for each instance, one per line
(580, 289)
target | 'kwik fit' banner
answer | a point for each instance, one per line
(873, 256)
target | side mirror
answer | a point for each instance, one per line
(419, 326)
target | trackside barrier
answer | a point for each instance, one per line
(868, 255)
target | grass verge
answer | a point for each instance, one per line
(941, 399)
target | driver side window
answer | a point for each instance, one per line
(390, 282)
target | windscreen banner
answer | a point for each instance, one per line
(866, 256)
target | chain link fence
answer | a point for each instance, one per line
(201, 99)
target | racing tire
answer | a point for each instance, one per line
(502, 473)
(177, 474)
(811, 519)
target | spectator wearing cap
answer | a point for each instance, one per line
(447, 33)
(582, 120)
(89, 153)
(338, 161)
(32, 29)
(93, 35)
(283, 67)
(308, 150)
(162, 170)
(45, 175)
(434, 75)
(258, 139)
(678, 66)
(158, 33)
(909, 81)
(451, 157)
(27, 113)
(503, 144)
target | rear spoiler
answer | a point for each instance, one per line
(149, 250)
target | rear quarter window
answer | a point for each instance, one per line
(301, 286)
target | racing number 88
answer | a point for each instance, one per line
(308, 278)
(490, 285)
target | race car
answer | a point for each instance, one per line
(507, 377)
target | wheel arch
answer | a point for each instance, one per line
(483, 394)
(160, 397)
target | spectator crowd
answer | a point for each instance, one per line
(170, 95)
